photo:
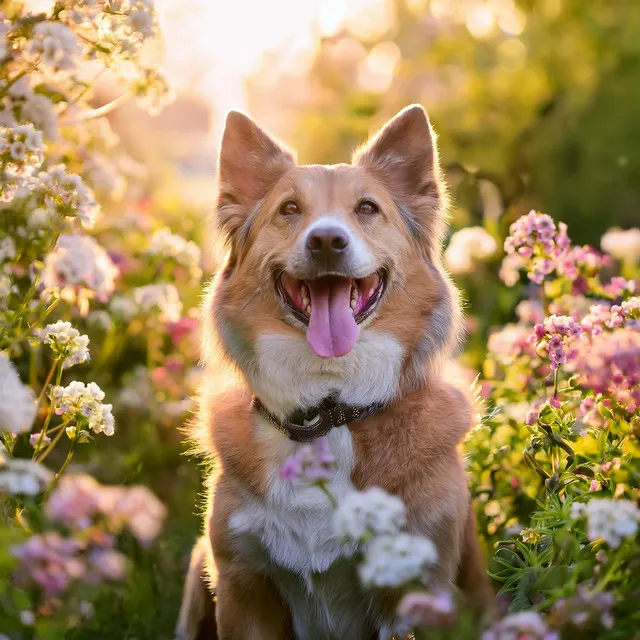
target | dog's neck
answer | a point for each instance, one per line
(287, 377)
(306, 425)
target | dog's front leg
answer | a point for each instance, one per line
(249, 607)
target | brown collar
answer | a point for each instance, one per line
(307, 425)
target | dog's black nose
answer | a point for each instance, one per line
(327, 242)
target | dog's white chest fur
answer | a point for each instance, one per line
(295, 521)
(290, 535)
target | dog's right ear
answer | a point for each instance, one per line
(250, 163)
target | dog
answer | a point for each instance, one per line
(335, 317)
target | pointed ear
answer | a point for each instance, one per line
(250, 163)
(404, 157)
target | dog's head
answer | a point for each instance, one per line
(333, 268)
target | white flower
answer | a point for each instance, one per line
(79, 265)
(17, 401)
(23, 477)
(152, 90)
(100, 319)
(7, 249)
(123, 307)
(67, 194)
(40, 110)
(391, 561)
(169, 245)
(609, 519)
(510, 269)
(529, 624)
(27, 618)
(24, 148)
(467, 247)
(55, 46)
(66, 342)
(623, 245)
(161, 296)
(142, 21)
(362, 514)
(83, 404)
(40, 217)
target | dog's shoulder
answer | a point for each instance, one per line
(225, 433)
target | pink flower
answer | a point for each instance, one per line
(617, 287)
(424, 609)
(184, 327)
(532, 416)
(312, 462)
(556, 335)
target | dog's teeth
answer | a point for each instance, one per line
(305, 299)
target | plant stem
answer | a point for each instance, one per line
(10, 83)
(54, 364)
(43, 433)
(104, 109)
(55, 441)
(323, 488)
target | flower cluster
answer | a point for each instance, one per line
(556, 336)
(585, 608)
(79, 269)
(162, 297)
(608, 519)
(467, 247)
(537, 244)
(50, 562)
(65, 342)
(395, 560)
(609, 365)
(17, 401)
(83, 404)
(21, 149)
(66, 193)
(79, 502)
(167, 245)
(529, 625)
(312, 462)
(621, 244)
(22, 477)
(361, 515)
(56, 147)
(509, 343)
(426, 609)
(55, 47)
(536, 239)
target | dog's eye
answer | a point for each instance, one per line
(289, 208)
(367, 208)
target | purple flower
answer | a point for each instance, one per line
(312, 462)
(556, 336)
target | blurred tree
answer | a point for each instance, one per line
(538, 97)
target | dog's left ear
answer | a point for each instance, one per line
(403, 155)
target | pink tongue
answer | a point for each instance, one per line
(332, 328)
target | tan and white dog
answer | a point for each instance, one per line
(332, 307)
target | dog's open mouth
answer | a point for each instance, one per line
(332, 307)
